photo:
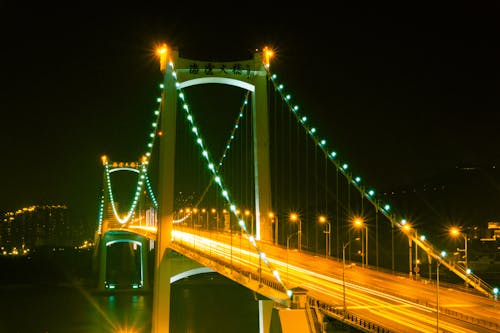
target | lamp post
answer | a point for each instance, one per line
(322, 219)
(227, 220)
(190, 215)
(196, 220)
(294, 217)
(455, 232)
(437, 295)
(417, 260)
(205, 211)
(359, 223)
(249, 213)
(214, 211)
(407, 229)
(287, 247)
(343, 276)
(274, 218)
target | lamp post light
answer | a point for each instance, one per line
(205, 211)
(322, 219)
(406, 227)
(294, 217)
(196, 218)
(214, 211)
(455, 232)
(190, 215)
(247, 214)
(438, 263)
(287, 247)
(180, 214)
(417, 260)
(343, 277)
(274, 219)
(437, 295)
(359, 223)
(227, 220)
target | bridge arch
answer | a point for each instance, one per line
(217, 80)
(191, 272)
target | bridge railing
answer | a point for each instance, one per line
(257, 279)
(246, 276)
(347, 317)
(469, 277)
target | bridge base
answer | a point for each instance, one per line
(289, 321)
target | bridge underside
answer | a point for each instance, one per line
(137, 252)
(123, 261)
(273, 316)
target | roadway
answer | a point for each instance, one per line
(397, 303)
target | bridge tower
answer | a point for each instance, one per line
(180, 73)
(117, 229)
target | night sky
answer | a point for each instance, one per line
(404, 92)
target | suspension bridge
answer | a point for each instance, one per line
(235, 179)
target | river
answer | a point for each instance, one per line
(33, 299)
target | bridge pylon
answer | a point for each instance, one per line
(115, 228)
(250, 74)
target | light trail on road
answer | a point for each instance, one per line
(387, 310)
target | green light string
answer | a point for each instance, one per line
(331, 154)
(138, 192)
(224, 191)
(143, 176)
(344, 167)
(222, 158)
(233, 131)
(101, 214)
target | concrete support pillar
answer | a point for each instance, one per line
(102, 254)
(161, 289)
(265, 314)
(146, 286)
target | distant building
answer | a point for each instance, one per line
(35, 226)
(494, 228)
(490, 245)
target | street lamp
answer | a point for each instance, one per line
(274, 218)
(287, 247)
(322, 219)
(455, 232)
(294, 217)
(247, 214)
(407, 229)
(180, 215)
(359, 223)
(438, 263)
(227, 220)
(437, 295)
(214, 211)
(205, 211)
(417, 260)
(196, 220)
(343, 275)
(188, 214)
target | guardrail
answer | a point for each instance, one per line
(347, 317)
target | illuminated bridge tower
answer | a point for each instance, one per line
(180, 73)
(122, 233)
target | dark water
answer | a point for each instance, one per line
(199, 304)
